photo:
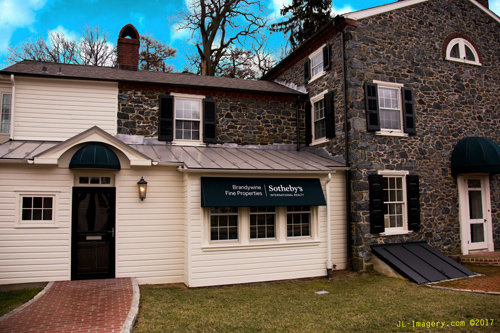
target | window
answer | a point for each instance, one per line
(321, 118)
(394, 202)
(223, 224)
(461, 50)
(36, 210)
(5, 115)
(187, 119)
(260, 226)
(389, 109)
(298, 221)
(262, 222)
(317, 63)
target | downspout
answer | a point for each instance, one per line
(297, 121)
(346, 140)
(12, 106)
(328, 230)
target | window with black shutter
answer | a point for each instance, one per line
(391, 211)
(308, 118)
(372, 111)
(327, 57)
(166, 118)
(329, 115)
(307, 70)
(408, 110)
(209, 121)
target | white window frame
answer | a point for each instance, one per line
(79, 183)
(388, 131)
(260, 213)
(404, 229)
(313, 100)
(185, 142)
(237, 214)
(20, 223)
(244, 240)
(318, 52)
(297, 213)
(9, 125)
(462, 43)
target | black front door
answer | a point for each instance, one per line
(93, 233)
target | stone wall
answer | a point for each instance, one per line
(241, 120)
(453, 101)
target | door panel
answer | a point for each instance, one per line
(476, 205)
(93, 247)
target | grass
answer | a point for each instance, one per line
(355, 303)
(9, 300)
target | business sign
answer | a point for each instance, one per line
(260, 192)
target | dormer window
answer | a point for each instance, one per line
(461, 50)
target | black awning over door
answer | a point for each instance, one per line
(476, 155)
(261, 192)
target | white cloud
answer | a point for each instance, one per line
(342, 10)
(179, 34)
(276, 5)
(15, 14)
(72, 35)
(495, 6)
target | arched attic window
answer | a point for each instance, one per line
(461, 50)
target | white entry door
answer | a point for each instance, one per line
(475, 213)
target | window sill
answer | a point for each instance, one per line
(319, 142)
(392, 133)
(396, 233)
(317, 76)
(35, 226)
(468, 62)
(260, 245)
(189, 143)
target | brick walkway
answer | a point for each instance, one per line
(489, 282)
(76, 306)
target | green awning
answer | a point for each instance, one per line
(476, 155)
(261, 192)
(96, 156)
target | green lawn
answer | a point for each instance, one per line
(355, 303)
(9, 300)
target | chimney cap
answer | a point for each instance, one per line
(129, 31)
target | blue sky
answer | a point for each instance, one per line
(20, 20)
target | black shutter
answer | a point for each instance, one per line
(327, 57)
(307, 70)
(372, 113)
(308, 117)
(413, 198)
(329, 116)
(408, 111)
(209, 121)
(376, 187)
(166, 118)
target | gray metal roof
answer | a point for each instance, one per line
(201, 158)
(67, 71)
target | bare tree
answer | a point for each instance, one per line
(95, 48)
(220, 25)
(153, 54)
(30, 50)
(62, 50)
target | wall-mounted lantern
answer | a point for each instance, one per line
(143, 188)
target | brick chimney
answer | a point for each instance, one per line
(485, 3)
(128, 48)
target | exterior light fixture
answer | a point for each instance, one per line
(143, 187)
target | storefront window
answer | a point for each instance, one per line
(262, 222)
(224, 224)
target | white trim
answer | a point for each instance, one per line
(385, 132)
(184, 142)
(396, 233)
(389, 173)
(313, 55)
(462, 43)
(365, 13)
(313, 100)
(179, 95)
(361, 14)
(391, 131)
(54, 223)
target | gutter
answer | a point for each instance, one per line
(346, 140)
(12, 106)
(185, 169)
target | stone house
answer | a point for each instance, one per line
(408, 94)
(169, 178)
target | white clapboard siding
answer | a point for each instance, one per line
(34, 254)
(242, 264)
(60, 109)
(150, 233)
